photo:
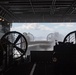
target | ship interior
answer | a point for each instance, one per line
(14, 45)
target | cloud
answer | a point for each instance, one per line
(42, 27)
(25, 26)
(31, 26)
(67, 25)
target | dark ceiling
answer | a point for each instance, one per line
(38, 10)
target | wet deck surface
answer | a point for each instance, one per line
(39, 69)
(30, 69)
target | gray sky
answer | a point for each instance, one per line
(43, 29)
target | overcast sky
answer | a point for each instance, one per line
(43, 29)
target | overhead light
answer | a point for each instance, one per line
(8, 23)
(0, 19)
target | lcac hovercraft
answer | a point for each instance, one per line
(60, 61)
(13, 47)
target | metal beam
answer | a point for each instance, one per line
(1, 11)
(70, 9)
(32, 6)
(73, 11)
(52, 7)
(7, 11)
